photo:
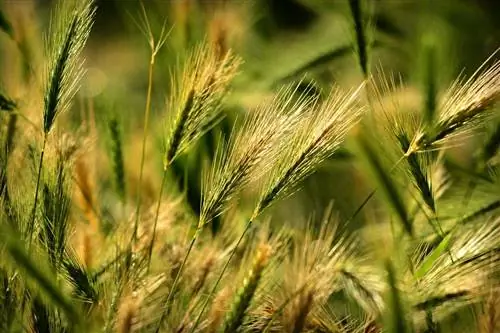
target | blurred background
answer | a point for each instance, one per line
(281, 42)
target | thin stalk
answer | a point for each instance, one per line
(371, 194)
(219, 278)
(176, 280)
(31, 224)
(144, 137)
(153, 237)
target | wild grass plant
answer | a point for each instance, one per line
(90, 244)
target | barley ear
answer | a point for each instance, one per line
(68, 34)
(195, 104)
(234, 318)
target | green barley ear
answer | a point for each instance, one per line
(117, 160)
(314, 138)
(362, 46)
(195, 104)
(69, 30)
(234, 318)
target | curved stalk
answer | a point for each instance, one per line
(31, 223)
(157, 213)
(144, 137)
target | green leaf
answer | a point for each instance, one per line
(430, 260)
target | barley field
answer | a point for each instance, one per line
(188, 166)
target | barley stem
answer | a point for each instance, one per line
(31, 224)
(158, 205)
(219, 278)
(144, 137)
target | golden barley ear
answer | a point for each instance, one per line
(466, 105)
(195, 104)
(251, 150)
(314, 138)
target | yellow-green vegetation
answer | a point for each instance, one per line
(214, 169)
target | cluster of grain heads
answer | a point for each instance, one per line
(67, 36)
(195, 104)
(251, 150)
(317, 128)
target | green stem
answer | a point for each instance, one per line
(143, 155)
(176, 280)
(153, 237)
(219, 278)
(31, 224)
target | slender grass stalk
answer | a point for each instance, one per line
(157, 214)
(155, 47)
(143, 149)
(395, 316)
(31, 223)
(430, 80)
(388, 187)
